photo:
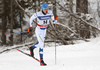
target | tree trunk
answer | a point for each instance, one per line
(54, 8)
(82, 7)
(11, 22)
(21, 19)
(39, 4)
(3, 22)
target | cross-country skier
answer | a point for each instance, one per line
(40, 31)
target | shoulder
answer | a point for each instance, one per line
(38, 13)
(51, 13)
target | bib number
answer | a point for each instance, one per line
(45, 22)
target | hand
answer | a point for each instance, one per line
(56, 17)
(30, 29)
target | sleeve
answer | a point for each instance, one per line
(52, 17)
(34, 16)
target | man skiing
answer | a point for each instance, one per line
(40, 31)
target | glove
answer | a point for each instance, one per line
(56, 17)
(30, 29)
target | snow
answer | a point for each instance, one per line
(80, 56)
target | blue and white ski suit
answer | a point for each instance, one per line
(40, 31)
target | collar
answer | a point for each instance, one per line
(43, 12)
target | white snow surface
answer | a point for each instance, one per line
(81, 56)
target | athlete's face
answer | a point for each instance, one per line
(45, 11)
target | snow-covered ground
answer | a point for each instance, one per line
(82, 56)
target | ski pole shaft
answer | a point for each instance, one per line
(55, 42)
(16, 33)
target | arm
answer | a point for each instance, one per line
(34, 16)
(31, 22)
(54, 18)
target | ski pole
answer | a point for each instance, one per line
(16, 33)
(55, 42)
(56, 17)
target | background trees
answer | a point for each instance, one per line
(75, 20)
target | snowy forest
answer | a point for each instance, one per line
(78, 20)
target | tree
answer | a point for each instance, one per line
(11, 22)
(82, 7)
(0, 13)
(4, 22)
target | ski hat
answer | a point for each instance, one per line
(45, 6)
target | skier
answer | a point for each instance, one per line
(40, 31)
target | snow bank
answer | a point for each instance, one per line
(83, 56)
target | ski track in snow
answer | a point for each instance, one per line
(83, 56)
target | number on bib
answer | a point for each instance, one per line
(45, 22)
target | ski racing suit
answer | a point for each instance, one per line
(40, 31)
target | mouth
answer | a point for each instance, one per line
(46, 11)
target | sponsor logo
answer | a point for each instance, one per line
(44, 17)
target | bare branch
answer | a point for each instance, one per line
(22, 8)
